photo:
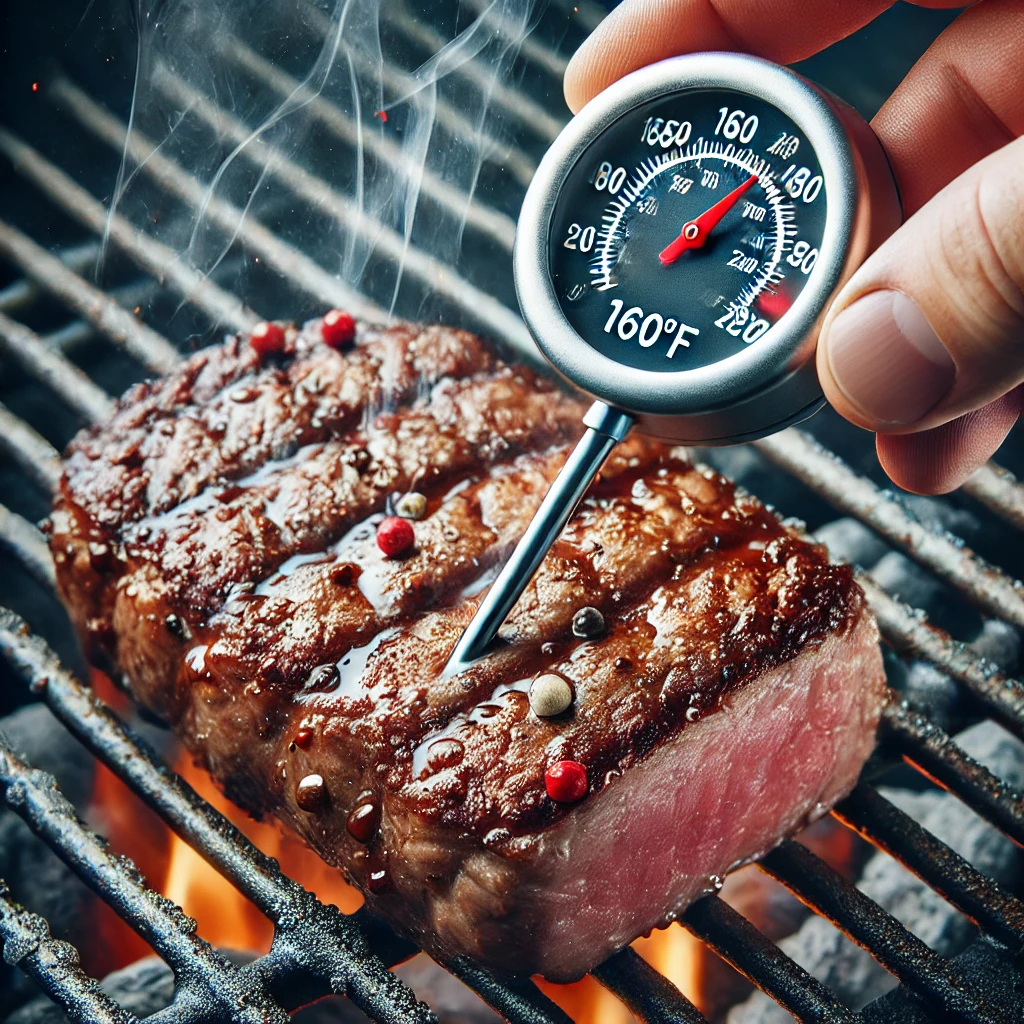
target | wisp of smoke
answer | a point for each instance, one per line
(332, 123)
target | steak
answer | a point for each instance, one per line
(216, 544)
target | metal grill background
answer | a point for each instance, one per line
(69, 138)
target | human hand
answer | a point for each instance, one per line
(925, 343)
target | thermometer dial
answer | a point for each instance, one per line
(683, 236)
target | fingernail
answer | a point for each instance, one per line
(887, 360)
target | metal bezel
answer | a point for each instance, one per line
(784, 349)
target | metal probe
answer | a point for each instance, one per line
(606, 428)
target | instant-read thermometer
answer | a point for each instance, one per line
(675, 254)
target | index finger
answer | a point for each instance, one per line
(640, 32)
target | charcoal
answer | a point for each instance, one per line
(999, 642)
(41, 740)
(452, 1001)
(907, 581)
(850, 971)
(941, 516)
(143, 987)
(750, 470)
(935, 693)
(147, 986)
(849, 540)
(38, 879)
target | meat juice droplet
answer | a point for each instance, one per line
(311, 792)
(362, 823)
(588, 623)
(195, 661)
(323, 679)
(496, 837)
(444, 753)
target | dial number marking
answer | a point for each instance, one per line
(803, 256)
(734, 124)
(734, 320)
(610, 178)
(584, 236)
(658, 132)
(799, 183)
(650, 327)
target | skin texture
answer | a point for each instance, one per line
(951, 131)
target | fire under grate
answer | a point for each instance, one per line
(316, 949)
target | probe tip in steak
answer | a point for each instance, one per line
(278, 547)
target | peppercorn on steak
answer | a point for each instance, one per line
(278, 545)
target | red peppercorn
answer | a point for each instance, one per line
(338, 329)
(395, 535)
(566, 782)
(267, 337)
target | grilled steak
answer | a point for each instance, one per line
(217, 542)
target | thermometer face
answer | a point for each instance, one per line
(682, 238)
(687, 229)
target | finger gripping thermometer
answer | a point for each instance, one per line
(675, 255)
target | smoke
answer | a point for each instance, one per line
(355, 131)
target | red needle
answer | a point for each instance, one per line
(696, 231)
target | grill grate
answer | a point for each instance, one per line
(316, 949)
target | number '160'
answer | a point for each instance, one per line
(648, 329)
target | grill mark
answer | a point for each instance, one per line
(249, 533)
(157, 454)
(454, 546)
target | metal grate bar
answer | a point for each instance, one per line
(28, 545)
(52, 369)
(762, 963)
(138, 340)
(910, 634)
(154, 257)
(928, 975)
(76, 332)
(54, 966)
(35, 797)
(24, 292)
(333, 945)
(529, 48)
(879, 821)
(529, 112)
(31, 451)
(826, 474)
(478, 304)
(400, 85)
(650, 996)
(999, 491)
(925, 746)
(288, 261)
(519, 1001)
(458, 203)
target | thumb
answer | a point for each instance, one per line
(931, 327)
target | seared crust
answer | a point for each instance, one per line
(215, 541)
